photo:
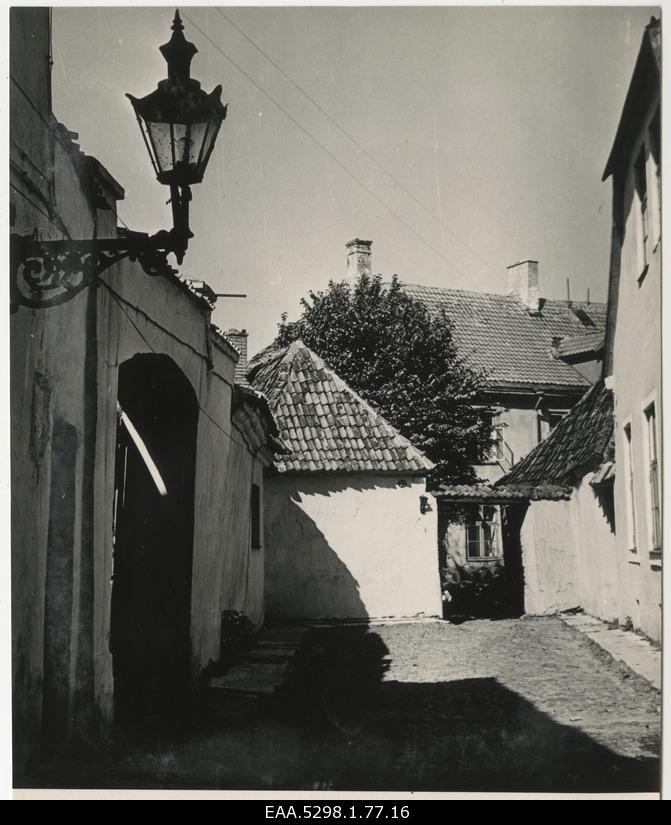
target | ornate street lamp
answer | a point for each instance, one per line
(179, 123)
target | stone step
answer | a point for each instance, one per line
(282, 634)
(268, 654)
(251, 677)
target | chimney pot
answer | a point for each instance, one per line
(359, 258)
(238, 337)
(523, 284)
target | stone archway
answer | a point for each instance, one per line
(153, 539)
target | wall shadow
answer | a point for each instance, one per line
(338, 725)
(462, 735)
(321, 583)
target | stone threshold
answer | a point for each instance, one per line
(623, 645)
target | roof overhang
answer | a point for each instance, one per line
(506, 494)
(644, 85)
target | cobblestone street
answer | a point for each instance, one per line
(516, 705)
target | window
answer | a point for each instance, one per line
(482, 534)
(641, 184)
(548, 420)
(629, 487)
(653, 476)
(656, 190)
(256, 516)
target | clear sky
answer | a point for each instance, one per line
(498, 121)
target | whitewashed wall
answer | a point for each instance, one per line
(349, 546)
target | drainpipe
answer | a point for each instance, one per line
(539, 407)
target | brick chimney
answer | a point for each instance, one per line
(523, 283)
(238, 337)
(359, 258)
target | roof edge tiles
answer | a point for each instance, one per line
(580, 443)
(327, 426)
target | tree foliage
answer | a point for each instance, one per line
(404, 362)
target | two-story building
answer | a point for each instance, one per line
(600, 546)
(634, 337)
(539, 356)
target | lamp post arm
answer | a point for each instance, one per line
(45, 274)
(179, 199)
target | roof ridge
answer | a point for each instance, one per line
(321, 364)
(327, 425)
(479, 293)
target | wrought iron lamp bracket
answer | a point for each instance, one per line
(45, 274)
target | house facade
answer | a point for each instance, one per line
(600, 547)
(562, 526)
(349, 526)
(538, 356)
(633, 339)
(134, 455)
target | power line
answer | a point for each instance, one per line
(117, 298)
(354, 140)
(318, 143)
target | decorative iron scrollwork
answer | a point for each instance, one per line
(49, 273)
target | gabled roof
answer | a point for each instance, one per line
(324, 424)
(498, 334)
(579, 444)
(644, 84)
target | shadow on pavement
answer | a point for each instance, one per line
(338, 725)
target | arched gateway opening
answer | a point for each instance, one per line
(153, 539)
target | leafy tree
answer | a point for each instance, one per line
(404, 362)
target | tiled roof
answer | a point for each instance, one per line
(244, 395)
(486, 492)
(579, 443)
(582, 343)
(324, 424)
(497, 333)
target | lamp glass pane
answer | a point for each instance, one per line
(159, 135)
(210, 138)
(180, 133)
(197, 137)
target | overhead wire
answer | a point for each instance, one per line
(308, 134)
(350, 137)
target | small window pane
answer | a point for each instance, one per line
(473, 540)
(256, 516)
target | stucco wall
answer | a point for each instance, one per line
(227, 573)
(519, 421)
(349, 546)
(569, 555)
(50, 441)
(550, 554)
(591, 511)
(636, 366)
(64, 371)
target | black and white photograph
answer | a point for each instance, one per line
(334, 416)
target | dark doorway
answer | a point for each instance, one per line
(512, 518)
(153, 540)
